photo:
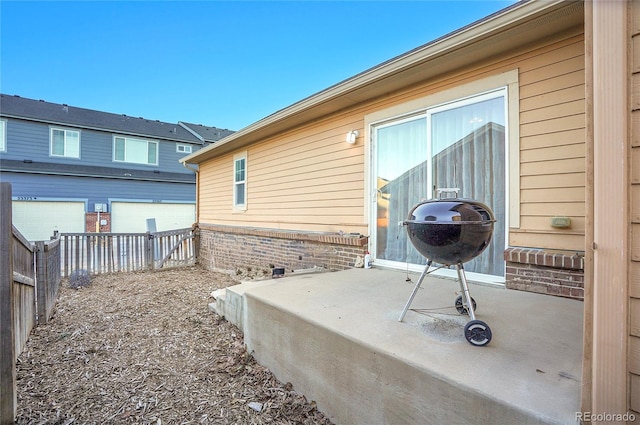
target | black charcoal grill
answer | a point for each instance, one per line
(451, 231)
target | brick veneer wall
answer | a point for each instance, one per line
(236, 248)
(545, 271)
(91, 218)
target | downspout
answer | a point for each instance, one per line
(186, 165)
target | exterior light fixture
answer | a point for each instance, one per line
(351, 136)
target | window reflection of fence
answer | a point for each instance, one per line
(125, 252)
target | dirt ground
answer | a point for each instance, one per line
(143, 348)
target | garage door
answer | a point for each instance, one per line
(37, 220)
(131, 217)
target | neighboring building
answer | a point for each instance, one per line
(71, 168)
(558, 80)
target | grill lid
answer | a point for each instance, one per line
(451, 211)
(450, 230)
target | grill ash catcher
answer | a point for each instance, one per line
(451, 231)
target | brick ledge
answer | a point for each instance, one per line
(332, 238)
(571, 260)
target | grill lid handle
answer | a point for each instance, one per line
(443, 190)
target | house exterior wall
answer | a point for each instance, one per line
(240, 250)
(30, 140)
(96, 190)
(94, 222)
(288, 182)
(39, 188)
(308, 179)
(552, 173)
(552, 147)
(311, 182)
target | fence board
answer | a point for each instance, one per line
(24, 308)
(48, 277)
(17, 301)
(126, 252)
(24, 285)
(8, 397)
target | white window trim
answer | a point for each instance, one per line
(507, 79)
(3, 136)
(65, 130)
(137, 140)
(185, 148)
(239, 207)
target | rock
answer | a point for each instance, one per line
(79, 279)
(255, 406)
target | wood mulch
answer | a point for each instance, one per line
(144, 348)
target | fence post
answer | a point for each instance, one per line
(196, 243)
(8, 395)
(41, 283)
(150, 251)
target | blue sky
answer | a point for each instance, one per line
(217, 63)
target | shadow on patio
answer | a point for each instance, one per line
(336, 338)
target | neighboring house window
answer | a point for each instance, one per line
(3, 136)
(240, 181)
(126, 149)
(183, 148)
(65, 143)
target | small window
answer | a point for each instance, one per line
(136, 151)
(183, 148)
(240, 181)
(3, 136)
(65, 143)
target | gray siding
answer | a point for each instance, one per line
(27, 141)
(97, 190)
(30, 140)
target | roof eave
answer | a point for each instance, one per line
(100, 129)
(374, 82)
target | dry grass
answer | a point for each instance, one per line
(143, 348)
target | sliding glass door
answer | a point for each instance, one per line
(457, 145)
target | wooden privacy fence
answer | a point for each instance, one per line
(29, 283)
(47, 278)
(24, 290)
(125, 252)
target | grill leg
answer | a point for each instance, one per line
(466, 297)
(415, 291)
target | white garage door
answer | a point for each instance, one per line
(37, 220)
(131, 217)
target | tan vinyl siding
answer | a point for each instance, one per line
(567, 137)
(310, 179)
(552, 137)
(634, 355)
(552, 147)
(216, 187)
(303, 180)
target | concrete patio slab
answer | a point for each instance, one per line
(336, 337)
